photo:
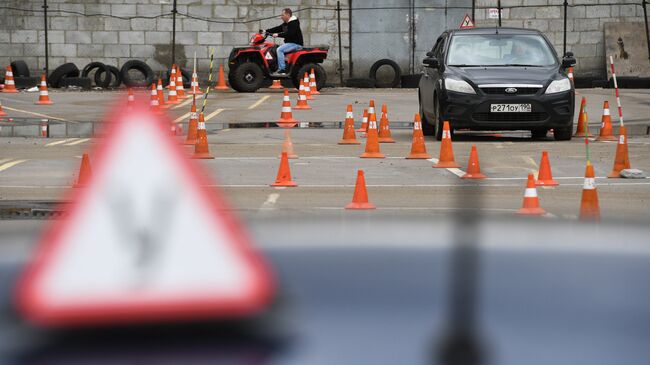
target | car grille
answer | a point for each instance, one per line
(502, 90)
(510, 117)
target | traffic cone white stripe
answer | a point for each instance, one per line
(349, 115)
(590, 183)
(530, 193)
(286, 109)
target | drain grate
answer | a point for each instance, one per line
(33, 210)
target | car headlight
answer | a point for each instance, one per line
(559, 86)
(459, 86)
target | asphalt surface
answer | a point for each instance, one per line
(41, 169)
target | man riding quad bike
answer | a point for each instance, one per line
(254, 66)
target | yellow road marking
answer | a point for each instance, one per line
(182, 117)
(189, 100)
(213, 114)
(60, 142)
(77, 142)
(38, 114)
(257, 103)
(10, 164)
(3, 160)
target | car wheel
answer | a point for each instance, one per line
(538, 133)
(427, 128)
(562, 134)
(438, 122)
(247, 77)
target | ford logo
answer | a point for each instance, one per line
(511, 90)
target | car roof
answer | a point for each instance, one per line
(492, 30)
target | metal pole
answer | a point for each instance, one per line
(566, 6)
(474, 11)
(350, 63)
(645, 16)
(499, 10)
(338, 19)
(174, 11)
(47, 55)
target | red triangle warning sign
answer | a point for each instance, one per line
(467, 22)
(145, 241)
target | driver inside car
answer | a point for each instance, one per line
(290, 31)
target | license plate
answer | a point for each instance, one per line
(511, 108)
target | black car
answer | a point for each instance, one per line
(496, 79)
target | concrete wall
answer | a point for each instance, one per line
(585, 26)
(82, 39)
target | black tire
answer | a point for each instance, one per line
(61, 72)
(103, 83)
(19, 68)
(410, 81)
(147, 72)
(115, 73)
(438, 122)
(247, 77)
(427, 128)
(360, 83)
(538, 134)
(386, 62)
(562, 134)
(319, 73)
(23, 82)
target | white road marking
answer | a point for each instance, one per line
(257, 103)
(213, 114)
(189, 100)
(38, 114)
(60, 142)
(456, 171)
(83, 140)
(182, 117)
(270, 202)
(10, 164)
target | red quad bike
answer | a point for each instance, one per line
(251, 66)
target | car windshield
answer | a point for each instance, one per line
(500, 50)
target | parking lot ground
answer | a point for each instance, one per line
(41, 169)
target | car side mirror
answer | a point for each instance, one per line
(429, 54)
(431, 62)
(568, 61)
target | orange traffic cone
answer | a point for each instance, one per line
(45, 128)
(284, 173)
(154, 104)
(589, 208)
(570, 75)
(286, 116)
(371, 107)
(161, 94)
(545, 176)
(172, 76)
(172, 97)
(418, 148)
(194, 85)
(473, 166)
(360, 197)
(43, 97)
(531, 201)
(130, 99)
(192, 125)
(10, 85)
(84, 172)
(302, 98)
(364, 122)
(622, 158)
(2, 112)
(276, 85)
(287, 145)
(384, 126)
(583, 121)
(305, 82)
(201, 149)
(312, 83)
(606, 130)
(349, 137)
(221, 81)
(446, 159)
(180, 90)
(372, 143)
